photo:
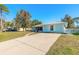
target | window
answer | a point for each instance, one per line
(51, 27)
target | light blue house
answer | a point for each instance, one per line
(54, 27)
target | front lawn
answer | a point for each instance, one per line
(65, 45)
(10, 35)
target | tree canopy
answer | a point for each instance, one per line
(69, 21)
(23, 19)
(35, 22)
(3, 9)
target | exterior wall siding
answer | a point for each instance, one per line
(59, 28)
(56, 28)
(46, 28)
(71, 30)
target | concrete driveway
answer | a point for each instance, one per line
(36, 44)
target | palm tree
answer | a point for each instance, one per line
(3, 9)
(69, 21)
(76, 20)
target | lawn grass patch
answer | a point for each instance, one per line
(4, 36)
(65, 45)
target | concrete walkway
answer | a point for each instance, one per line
(37, 44)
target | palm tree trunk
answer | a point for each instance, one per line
(1, 20)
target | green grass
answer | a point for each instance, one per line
(65, 45)
(4, 36)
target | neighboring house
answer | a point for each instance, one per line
(54, 27)
(27, 29)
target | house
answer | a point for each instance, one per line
(54, 27)
(27, 29)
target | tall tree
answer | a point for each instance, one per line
(3, 9)
(76, 20)
(35, 22)
(9, 24)
(69, 21)
(23, 19)
(17, 21)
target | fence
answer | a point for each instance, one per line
(71, 30)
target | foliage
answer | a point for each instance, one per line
(3, 9)
(69, 21)
(76, 33)
(9, 24)
(76, 20)
(23, 19)
(35, 22)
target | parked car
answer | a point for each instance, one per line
(9, 29)
(5, 29)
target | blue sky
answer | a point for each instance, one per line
(47, 13)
